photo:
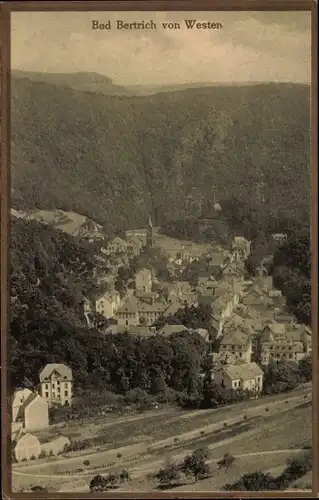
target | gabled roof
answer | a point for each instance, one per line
(118, 241)
(170, 329)
(63, 370)
(235, 337)
(142, 331)
(32, 397)
(129, 306)
(134, 239)
(245, 371)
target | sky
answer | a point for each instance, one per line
(251, 46)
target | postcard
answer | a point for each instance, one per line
(158, 250)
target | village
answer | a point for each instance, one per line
(249, 319)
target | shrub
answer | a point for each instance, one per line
(225, 425)
(267, 409)
(119, 455)
(86, 462)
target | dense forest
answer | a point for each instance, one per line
(116, 158)
(49, 273)
(292, 273)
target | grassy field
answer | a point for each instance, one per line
(172, 246)
(141, 444)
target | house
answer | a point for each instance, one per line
(257, 298)
(281, 341)
(216, 264)
(27, 447)
(246, 377)
(280, 237)
(174, 305)
(149, 313)
(143, 280)
(148, 297)
(117, 245)
(236, 269)
(108, 304)
(141, 331)
(168, 330)
(134, 246)
(56, 384)
(18, 398)
(33, 413)
(141, 234)
(127, 314)
(238, 343)
(135, 312)
(241, 248)
(56, 446)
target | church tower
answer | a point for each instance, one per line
(149, 232)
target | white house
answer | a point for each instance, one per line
(56, 384)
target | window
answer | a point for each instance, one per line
(235, 384)
(65, 393)
(58, 382)
(65, 385)
(53, 386)
(53, 394)
(59, 389)
(46, 386)
(46, 394)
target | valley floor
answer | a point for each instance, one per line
(261, 434)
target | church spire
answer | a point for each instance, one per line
(150, 232)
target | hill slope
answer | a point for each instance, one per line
(91, 82)
(115, 158)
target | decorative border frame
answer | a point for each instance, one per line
(145, 5)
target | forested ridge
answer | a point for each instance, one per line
(116, 158)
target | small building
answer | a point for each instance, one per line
(134, 246)
(108, 304)
(279, 237)
(241, 248)
(18, 398)
(245, 377)
(117, 245)
(148, 297)
(127, 314)
(168, 330)
(140, 331)
(280, 341)
(56, 384)
(56, 446)
(141, 234)
(143, 280)
(33, 413)
(238, 343)
(27, 447)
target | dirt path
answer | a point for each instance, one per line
(138, 448)
(136, 472)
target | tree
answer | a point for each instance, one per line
(195, 464)
(305, 368)
(281, 377)
(255, 481)
(168, 475)
(226, 461)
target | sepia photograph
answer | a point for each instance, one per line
(160, 313)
